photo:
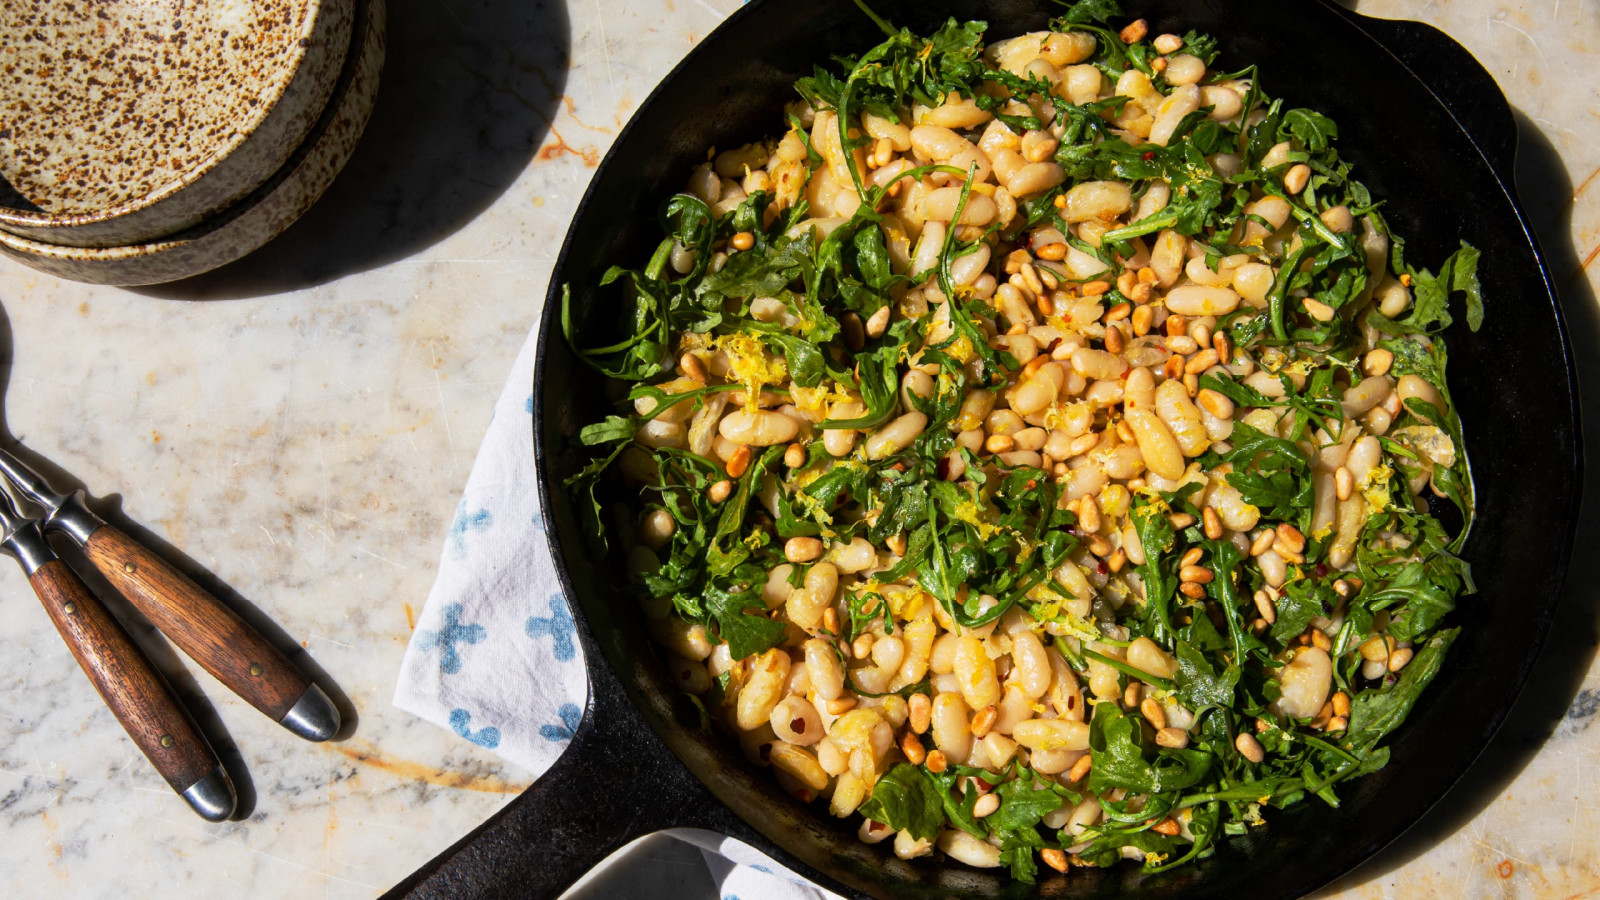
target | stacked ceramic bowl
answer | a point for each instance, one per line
(142, 143)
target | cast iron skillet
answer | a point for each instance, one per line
(1429, 132)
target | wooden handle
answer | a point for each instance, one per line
(211, 634)
(135, 691)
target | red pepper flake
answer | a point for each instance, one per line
(1101, 568)
(1321, 570)
(1148, 154)
(941, 469)
(984, 784)
(1032, 483)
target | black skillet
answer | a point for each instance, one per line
(1429, 132)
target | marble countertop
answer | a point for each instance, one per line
(296, 429)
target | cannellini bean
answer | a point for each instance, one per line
(1199, 300)
(1167, 256)
(758, 428)
(937, 142)
(824, 669)
(777, 589)
(1147, 656)
(1073, 579)
(795, 720)
(840, 441)
(1230, 506)
(686, 640)
(658, 434)
(915, 382)
(940, 206)
(1083, 83)
(1363, 457)
(799, 763)
(1084, 265)
(1365, 395)
(950, 729)
(689, 674)
(975, 670)
(943, 658)
(1252, 282)
(964, 270)
(1035, 177)
(1014, 707)
(1157, 446)
(1065, 696)
(896, 436)
(908, 847)
(805, 607)
(1040, 390)
(1182, 418)
(1304, 684)
(918, 636)
(880, 128)
(1271, 208)
(1351, 517)
(1225, 102)
(1031, 664)
(1058, 49)
(1184, 69)
(1095, 200)
(926, 256)
(1098, 364)
(965, 848)
(957, 112)
(1138, 389)
(848, 795)
(1051, 734)
(1199, 271)
(762, 689)
(855, 556)
(1155, 199)
(1416, 387)
(1181, 102)
(1393, 297)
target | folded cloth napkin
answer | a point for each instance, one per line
(494, 656)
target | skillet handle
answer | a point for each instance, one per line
(1461, 83)
(617, 781)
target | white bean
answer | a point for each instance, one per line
(1199, 300)
(963, 847)
(758, 428)
(951, 732)
(1305, 684)
(1095, 200)
(896, 436)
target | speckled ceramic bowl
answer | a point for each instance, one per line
(124, 121)
(260, 216)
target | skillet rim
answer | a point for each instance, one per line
(1500, 170)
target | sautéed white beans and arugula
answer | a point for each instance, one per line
(1040, 449)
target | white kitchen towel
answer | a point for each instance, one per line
(494, 656)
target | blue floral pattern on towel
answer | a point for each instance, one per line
(448, 637)
(558, 627)
(570, 715)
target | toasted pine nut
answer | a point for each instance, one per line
(1399, 659)
(1337, 723)
(919, 712)
(1192, 590)
(1141, 319)
(1264, 606)
(742, 240)
(1294, 180)
(1263, 542)
(1167, 826)
(1213, 524)
(1176, 326)
(1341, 704)
(795, 456)
(1191, 558)
(936, 761)
(1249, 747)
(1377, 362)
(1131, 695)
(878, 322)
(1117, 313)
(739, 461)
(1052, 252)
(1180, 521)
(1115, 342)
(1082, 444)
(1089, 514)
(1344, 484)
(1054, 858)
(1159, 64)
(999, 443)
(986, 805)
(1223, 346)
(1197, 574)
(802, 549)
(1030, 277)
(1096, 288)
(1153, 713)
(719, 492)
(862, 648)
(1318, 310)
(841, 706)
(692, 367)
(1201, 361)
(983, 720)
(1291, 538)
(911, 746)
(1320, 641)
(1134, 31)
(1080, 768)
(1117, 560)
(1174, 738)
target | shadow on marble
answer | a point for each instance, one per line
(468, 93)
(1552, 692)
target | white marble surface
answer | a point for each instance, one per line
(299, 426)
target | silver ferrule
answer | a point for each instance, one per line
(73, 519)
(27, 543)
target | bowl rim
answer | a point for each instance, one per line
(303, 44)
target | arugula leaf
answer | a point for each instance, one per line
(1375, 713)
(1024, 800)
(905, 800)
(1200, 687)
(746, 634)
(1119, 758)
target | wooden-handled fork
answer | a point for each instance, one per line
(136, 693)
(203, 628)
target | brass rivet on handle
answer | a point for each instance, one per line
(69, 607)
(255, 668)
(166, 740)
(130, 568)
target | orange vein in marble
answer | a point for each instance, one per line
(415, 771)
